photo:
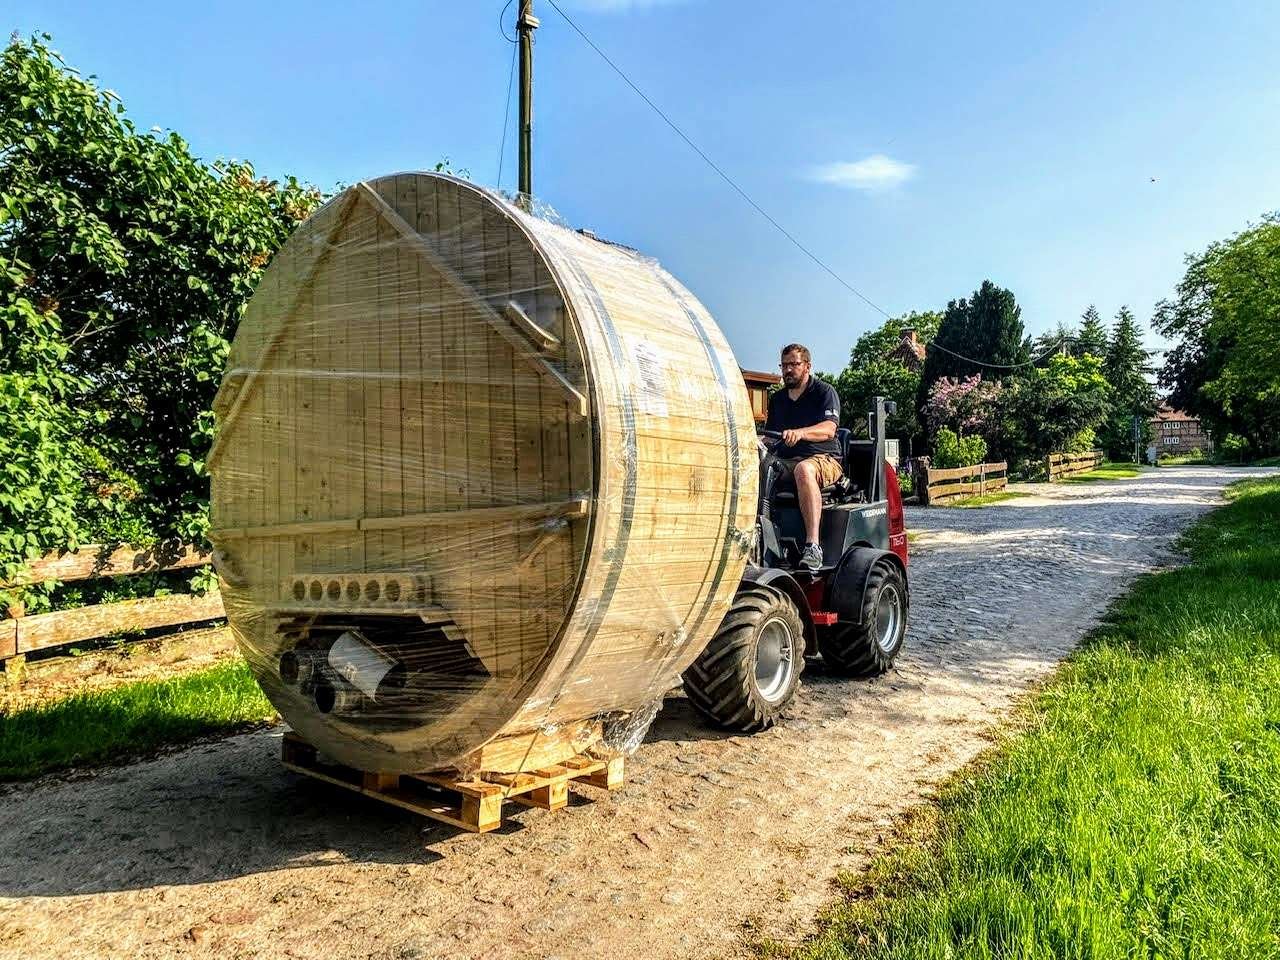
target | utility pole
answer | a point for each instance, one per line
(525, 25)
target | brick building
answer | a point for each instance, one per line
(910, 351)
(1178, 432)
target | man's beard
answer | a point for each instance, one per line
(791, 380)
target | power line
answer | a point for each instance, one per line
(506, 112)
(998, 366)
(760, 210)
(716, 167)
(501, 28)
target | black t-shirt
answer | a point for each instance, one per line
(818, 402)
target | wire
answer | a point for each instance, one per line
(760, 210)
(999, 366)
(716, 167)
(501, 29)
(506, 113)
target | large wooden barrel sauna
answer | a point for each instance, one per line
(483, 486)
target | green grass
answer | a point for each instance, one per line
(1107, 471)
(129, 720)
(1136, 812)
(986, 499)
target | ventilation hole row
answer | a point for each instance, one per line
(393, 591)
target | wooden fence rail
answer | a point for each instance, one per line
(1061, 465)
(21, 634)
(937, 486)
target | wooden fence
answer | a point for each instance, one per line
(937, 486)
(1069, 464)
(21, 634)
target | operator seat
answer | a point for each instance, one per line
(836, 492)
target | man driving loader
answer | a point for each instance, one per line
(807, 413)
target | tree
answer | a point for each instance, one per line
(125, 263)
(1092, 337)
(1225, 316)
(1058, 340)
(1053, 408)
(1132, 395)
(871, 372)
(985, 328)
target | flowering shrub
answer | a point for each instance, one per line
(964, 406)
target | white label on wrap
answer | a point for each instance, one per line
(651, 366)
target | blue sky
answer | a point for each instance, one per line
(918, 148)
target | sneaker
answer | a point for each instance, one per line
(811, 559)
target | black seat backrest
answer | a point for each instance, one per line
(843, 436)
(860, 463)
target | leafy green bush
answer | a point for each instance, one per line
(1234, 448)
(125, 263)
(953, 450)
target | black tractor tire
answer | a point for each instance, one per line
(724, 683)
(869, 648)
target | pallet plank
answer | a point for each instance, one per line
(479, 806)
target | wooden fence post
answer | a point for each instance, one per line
(923, 481)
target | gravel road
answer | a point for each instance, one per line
(714, 841)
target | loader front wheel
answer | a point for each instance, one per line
(750, 670)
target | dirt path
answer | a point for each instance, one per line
(715, 840)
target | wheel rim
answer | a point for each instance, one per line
(774, 661)
(888, 617)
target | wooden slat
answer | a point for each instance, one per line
(245, 389)
(102, 560)
(89, 623)
(961, 473)
(497, 322)
(568, 509)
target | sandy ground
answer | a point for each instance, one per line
(714, 842)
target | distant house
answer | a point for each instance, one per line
(909, 351)
(1178, 432)
(758, 386)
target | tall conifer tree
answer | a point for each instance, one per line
(987, 328)
(1092, 338)
(1126, 368)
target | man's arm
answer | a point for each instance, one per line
(819, 431)
(824, 430)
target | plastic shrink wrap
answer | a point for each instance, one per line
(483, 486)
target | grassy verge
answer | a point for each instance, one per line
(1107, 471)
(1137, 813)
(128, 720)
(986, 499)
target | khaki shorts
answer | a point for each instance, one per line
(828, 468)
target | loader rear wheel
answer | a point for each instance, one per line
(750, 670)
(869, 648)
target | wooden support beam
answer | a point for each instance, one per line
(569, 509)
(544, 340)
(501, 324)
(105, 560)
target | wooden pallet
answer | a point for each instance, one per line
(473, 804)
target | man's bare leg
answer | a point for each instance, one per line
(810, 496)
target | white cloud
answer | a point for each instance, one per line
(874, 173)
